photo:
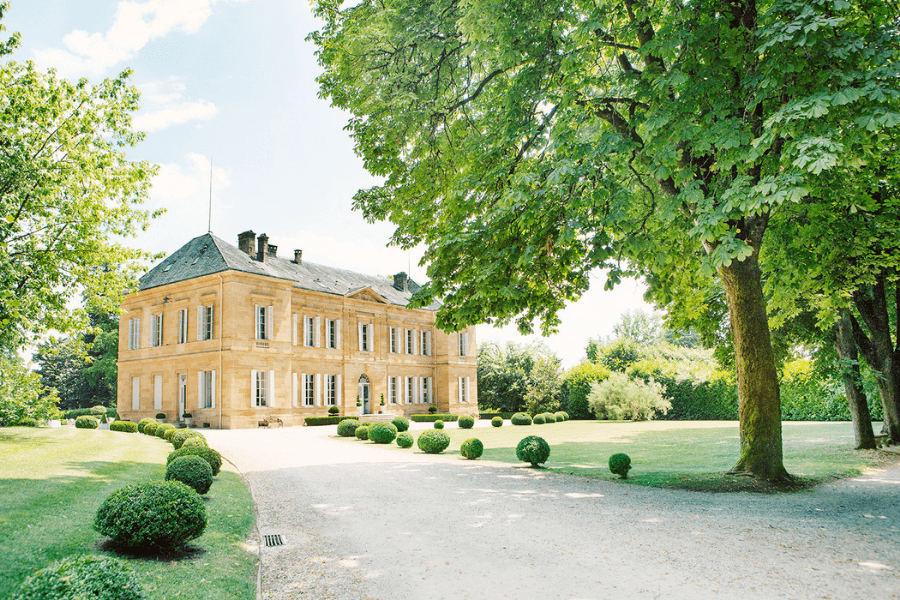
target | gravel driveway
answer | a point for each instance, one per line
(361, 521)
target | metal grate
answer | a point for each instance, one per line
(273, 540)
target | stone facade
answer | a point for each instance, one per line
(236, 337)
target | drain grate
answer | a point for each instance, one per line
(273, 540)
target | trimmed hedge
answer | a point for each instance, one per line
(316, 421)
(438, 424)
(143, 422)
(181, 435)
(124, 426)
(521, 419)
(28, 422)
(362, 432)
(561, 416)
(195, 441)
(433, 441)
(467, 422)
(162, 428)
(497, 421)
(150, 428)
(208, 454)
(152, 515)
(169, 433)
(348, 428)
(620, 464)
(401, 423)
(382, 433)
(405, 439)
(191, 470)
(539, 420)
(550, 417)
(86, 422)
(433, 417)
(533, 449)
(82, 576)
(490, 414)
(472, 448)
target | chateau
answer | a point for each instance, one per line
(238, 335)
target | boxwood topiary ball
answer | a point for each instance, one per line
(150, 428)
(86, 422)
(362, 432)
(466, 422)
(191, 470)
(170, 433)
(208, 454)
(533, 449)
(401, 423)
(433, 441)
(549, 418)
(472, 448)
(382, 433)
(152, 515)
(439, 424)
(82, 576)
(620, 464)
(144, 422)
(520, 419)
(497, 421)
(347, 427)
(162, 428)
(562, 416)
(195, 441)
(539, 420)
(181, 436)
(405, 440)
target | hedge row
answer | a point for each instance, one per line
(314, 421)
(490, 414)
(433, 417)
(78, 412)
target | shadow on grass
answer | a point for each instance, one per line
(186, 552)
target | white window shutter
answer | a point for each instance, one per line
(212, 320)
(459, 399)
(294, 329)
(253, 388)
(406, 341)
(135, 393)
(137, 333)
(405, 395)
(468, 388)
(318, 334)
(294, 390)
(318, 389)
(152, 330)
(270, 326)
(157, 392)
(305, 329)
(361, 337)
(338, 391)
(428, 341)
(466, 344)
(430, 391)
(391, 339)
(337, 326)
(212, 390)
(256, 321)
(304, 385)
(271, 400)
(201, 383)
(371, 336)
(416, 348)
(200, 312)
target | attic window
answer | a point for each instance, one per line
(168, 266)
(202, 250)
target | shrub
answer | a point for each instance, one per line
(28, 422)
(497, 421)
(77, 412)
(142, 423)
(577, 387)
(472, 448)
(333, 420)
(561, 416)
(162, 428)
(362, 432)
(181, 435)
(520, 419)
(433, 417)
(533, 449)
(333, 410)
(82, 576)
(191, 470)
(154, 515)
(98, 411)
(549, 418)
(438, 424)
(86, 422)
(401, 423)
(433, 441)
(208, 454)
(347, 428)
(150, 428)
(467, 422)
(620, 464)
(160, 415)
(124, 426)
(195, 441)
(621, 398)
(405, 439)
(169, 433)
(432, 409)
(539, 419)
(382, 433)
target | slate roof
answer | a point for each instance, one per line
(207, 254)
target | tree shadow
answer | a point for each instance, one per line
(182, 553)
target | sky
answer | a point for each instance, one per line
(230, 106)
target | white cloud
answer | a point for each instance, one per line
(92, 54)
(163, 105)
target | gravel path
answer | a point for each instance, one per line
(359, 522)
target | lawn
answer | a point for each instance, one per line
(53, 480)
(677, 454)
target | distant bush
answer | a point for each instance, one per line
(549, 418)
(195, 441)
(438, 424)
(561, 416)
(433, 441)
(142, 423)
(162, 428)
(333, 410)
(382, 433)
(577, 387)
(150, 428)
(191, 470)
(432, 409)
(124, 426)
(521, 419)
(490, 414)
(497, 421)
(208, 454)
(622, 398)
(77, 412)
(98, 410)
(362, 432)
(181, 435)
(81, 577)
(86, 422)
(472, 448)
(620, 464)
(401, 423)
(348, 428)
(152, 515)
(466, 422)
(533, 449)
(405, 440)
(539, 419)
(446, 417)
(332, 420)
(28, 422)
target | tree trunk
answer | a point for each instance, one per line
(759, 398)
(856, 397)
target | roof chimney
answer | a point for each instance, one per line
(273, 250)
(401, 282)
(298, 257)
(262, 248)
(245, 242)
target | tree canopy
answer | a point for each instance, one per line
(527, 143)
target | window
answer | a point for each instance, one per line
(205, 322)
(333, 334)
(331, 390)
(135, 393)
(426, 343)
(206, 389)
(182, 325)
(311, 331)
(262, 388)
(464, 385)
(309, 390)
(394, 342)
(392, 390)
(463, 344)
(156, 323)
(134, 334)
(410, 341)
(157, 392)
(366, 343)
(425, 390)
(410, 390)
(263, 322)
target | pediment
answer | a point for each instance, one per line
(367, 294)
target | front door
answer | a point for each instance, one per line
(364, 394)
(182, 394)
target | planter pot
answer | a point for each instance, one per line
(187, 422)
(103, 426)
(54, 423)
(160, 420)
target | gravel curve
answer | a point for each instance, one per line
(363, 522)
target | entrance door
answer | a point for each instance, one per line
(182, 394)
(364, 394)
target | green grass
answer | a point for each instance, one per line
(692, 455)
(53, 480)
